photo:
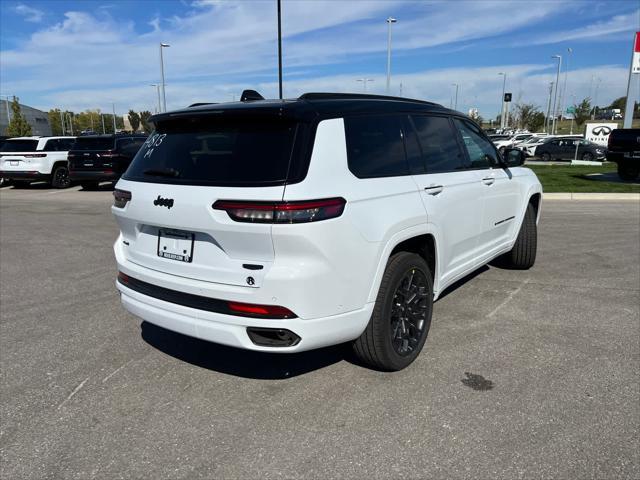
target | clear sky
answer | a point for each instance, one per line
(88, 54)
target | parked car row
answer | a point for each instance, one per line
(62, 160)
(551, 147)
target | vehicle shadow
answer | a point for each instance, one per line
(238, 362)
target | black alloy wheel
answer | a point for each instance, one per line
(408, 312)
(587, 156)
(61, 178)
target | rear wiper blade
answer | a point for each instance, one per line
(162, 172)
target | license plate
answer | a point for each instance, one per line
(175, 245)
(14, 164)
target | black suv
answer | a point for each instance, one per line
(102, 158)
(564, 148)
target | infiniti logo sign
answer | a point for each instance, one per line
(163, 202)
(604, 131)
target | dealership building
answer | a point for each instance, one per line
(38, 119)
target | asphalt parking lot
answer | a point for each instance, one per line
(524, 374)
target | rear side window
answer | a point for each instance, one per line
(65, 144)
(130, 146)
(216, 151)
(19, 146)
(94, 143)
(52, 145)
(438, 142)
(375, 147)
(481, 152)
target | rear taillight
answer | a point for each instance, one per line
(121, 198)
(35, 155)
(264, 311)
(282, 212)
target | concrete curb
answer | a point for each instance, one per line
(591, 196)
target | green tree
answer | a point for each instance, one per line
(582, 111)
(527, 116)
(144, 119)
(536, 122)
(134, 120)
(619, 103)
(55, 121)
(18, 126)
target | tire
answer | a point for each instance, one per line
(89, 185)
(381, 345)
(545, 157)
(523, 254)
(60, 177)
(628, 170)
(587, 156)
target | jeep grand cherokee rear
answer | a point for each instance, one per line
(284, 226)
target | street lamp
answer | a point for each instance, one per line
(364, 82)
(595, 98)
(164, 96)
(547, 120)
(555, 95)
(563, 94)
(504, 84)
(8, 111)
(455, 105)
(158, 90)
(390, 20)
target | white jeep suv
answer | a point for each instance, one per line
(284, 226)
(29, 159)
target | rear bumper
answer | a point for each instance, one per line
(24, 175)
(232, 330)
(94, 176)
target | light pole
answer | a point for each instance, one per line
(563, 94)
(595, 98)
(364, 82)
(573, 115)
(8, 112)
(390, 20)
(455, 104)
(504, 84)
(555, 95)
(70, 122)
(158, 90)
(113, 105)
(279, 51)
(102, 118)
(164, 95)
(548, 119)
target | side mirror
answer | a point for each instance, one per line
(512, 157)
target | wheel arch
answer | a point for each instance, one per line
(422, 241)
(59, 163)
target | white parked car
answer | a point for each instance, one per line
(29, 159)
(284, 226)
(512, 142)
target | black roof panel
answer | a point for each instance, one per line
(311, 105)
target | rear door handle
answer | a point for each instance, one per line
(434, 189)
(488, 180)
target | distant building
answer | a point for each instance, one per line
(38, 119)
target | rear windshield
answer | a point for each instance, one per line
(215, 151)
(93, 143)
(19, 146)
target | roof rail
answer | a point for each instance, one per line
(358, 96)
(197, 104)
